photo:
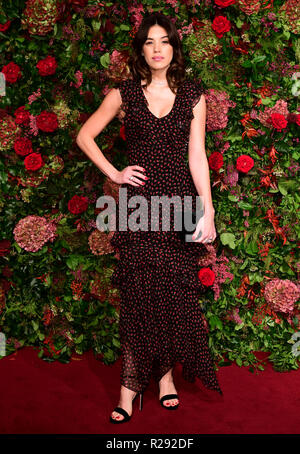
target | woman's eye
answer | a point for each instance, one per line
(165, 42)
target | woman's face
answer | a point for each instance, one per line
(157, 49)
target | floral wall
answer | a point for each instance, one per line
(58, 59)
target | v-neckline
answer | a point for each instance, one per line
(147, 104)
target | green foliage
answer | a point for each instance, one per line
(60, 298)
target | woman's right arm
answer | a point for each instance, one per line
(93, 127)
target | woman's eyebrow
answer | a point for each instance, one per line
(166, 36)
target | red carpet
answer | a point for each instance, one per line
(77, 398)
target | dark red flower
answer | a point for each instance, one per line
(298, 120)
(12, 72)
(23, 146)
(244, 163)
(278, 121)
(83, 117)
(47, 66)
(224, 3)
(215, 160)
(221, 25)
(47, 121)
(33, 161)
(206, 276)
(78, 204)
(4, 247)
(5, 27)
(22, 116)
(197, 24)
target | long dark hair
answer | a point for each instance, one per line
(139, 68)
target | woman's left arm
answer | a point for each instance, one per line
(199, 169)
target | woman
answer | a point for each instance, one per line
(164, 116)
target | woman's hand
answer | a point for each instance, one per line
(131, 171)
(206, 225)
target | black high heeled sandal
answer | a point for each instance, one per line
(124, 412)
(167, 397)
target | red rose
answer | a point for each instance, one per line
(78, 204)
(4, 27)
(23, 146)
(224, 3)
(278, 121)
(206, 276)
(215, 160)
(33, 161)
(298, 120)
(47, 66)
(4, 247)
(12, 72)
(22, 116)
(244, 163)
(47, 121)
(221, 25)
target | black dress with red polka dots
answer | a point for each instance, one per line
(160, 320)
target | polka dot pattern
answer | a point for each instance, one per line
(161, 321)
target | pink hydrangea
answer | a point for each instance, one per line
(281, 294)
(99, 242)
(232, 175)
(265, 116)
(32, 232)
(218, 104)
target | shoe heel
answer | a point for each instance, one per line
(141, 400)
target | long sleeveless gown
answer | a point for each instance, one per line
(160, 320)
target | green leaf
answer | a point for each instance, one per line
(285, 185)
(116, 342)
(266, 101)
(78, 339)
(215, 322)
(228, 239)
(73, 261)
(239, 362)
(233, 198)
(252, 248)
(105, 60)
(245, 205)
(35, 325)
(239, 326)
(239, 23)
(41, 336)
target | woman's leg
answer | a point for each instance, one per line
(125, 401)
(166, 386)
